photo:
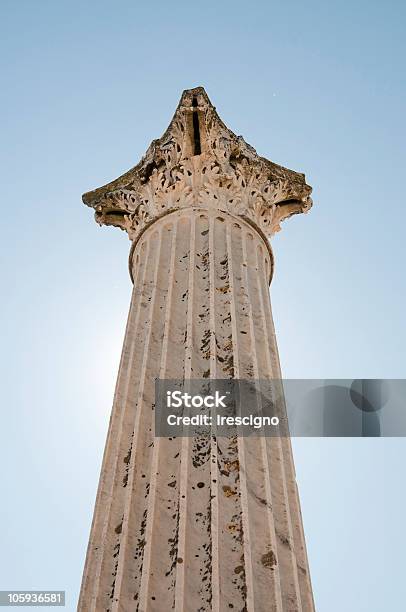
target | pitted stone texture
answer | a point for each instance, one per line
(195, 524)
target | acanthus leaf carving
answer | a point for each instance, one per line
(226, 173)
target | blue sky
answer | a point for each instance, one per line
(316, 86)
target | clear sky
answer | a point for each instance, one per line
(85, 86)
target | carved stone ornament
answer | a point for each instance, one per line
(200, 163)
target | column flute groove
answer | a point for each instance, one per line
(146, 569)
(285, 533)
(91, 558)
(215, 569)
(135, 450)
(275, 593)
(240, 444)
(99, 593)
(184, 454)
(304, 583)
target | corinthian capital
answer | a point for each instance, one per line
(200, 163)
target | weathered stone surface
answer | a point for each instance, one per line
(196, 524)
(200, 162)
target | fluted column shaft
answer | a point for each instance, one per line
(195, 524)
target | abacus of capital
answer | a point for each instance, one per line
(192, 524)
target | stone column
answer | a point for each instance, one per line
(196, 524)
